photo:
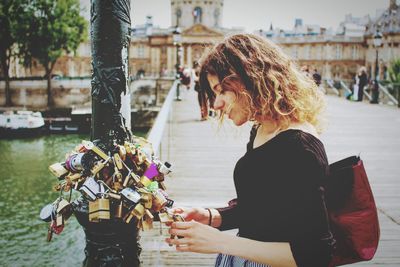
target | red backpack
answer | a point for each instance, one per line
(352, 212)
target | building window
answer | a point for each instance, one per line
(216, 17)
(197, 15)
(354, 52)
(294, 52)
(319, 51)
(307, 52)
(140, 51)
(339, 51)
(178, 14)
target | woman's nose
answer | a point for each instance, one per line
(219, 103)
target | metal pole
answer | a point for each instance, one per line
(375, 87)
(376, 64)
(109, 243)
(110, 24)
(178, 60)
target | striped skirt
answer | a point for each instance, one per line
(234, 261)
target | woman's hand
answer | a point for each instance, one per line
(196, 237)
(200, 215)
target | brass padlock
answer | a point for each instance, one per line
(118, 161)
(99, 210)
(118, 211)
(90, 146)
(145, 181)
(138, 211)
(147, 221)
(97, 167)
(147, 200)
(122, 152)
(64, 208)
(73, 177)
(58, 170)
(128, 149)
(165, 217)
(159, 200)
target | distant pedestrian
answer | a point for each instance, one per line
(362, 82)
(318, 80)
(317, 77)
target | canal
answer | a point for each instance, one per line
(26, 186)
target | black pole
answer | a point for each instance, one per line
(178, 70)
(111, 242)
(110, 24)
(376, 64)
(375, 86)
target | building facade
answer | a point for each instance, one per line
(335, 54)
(339, 55)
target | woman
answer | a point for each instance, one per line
(362, 82)
(278, 209)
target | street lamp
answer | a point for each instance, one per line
(177, 39)
(375, 89)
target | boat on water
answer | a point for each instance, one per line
(21, 123)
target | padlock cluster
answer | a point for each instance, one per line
(121, 183)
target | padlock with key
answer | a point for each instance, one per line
(99, 209)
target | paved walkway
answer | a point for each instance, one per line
(204, 158)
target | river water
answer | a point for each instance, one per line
(26, 186)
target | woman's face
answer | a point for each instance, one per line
(236, 108)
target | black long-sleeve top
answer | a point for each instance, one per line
(278, 196)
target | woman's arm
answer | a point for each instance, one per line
(201, 238)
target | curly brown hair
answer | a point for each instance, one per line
(275, 87)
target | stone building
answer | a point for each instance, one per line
(339, 55)
(153, 50)
(335, 54)
(388, 25)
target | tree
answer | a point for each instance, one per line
(53, 27)
(394, 77)
(10, 12)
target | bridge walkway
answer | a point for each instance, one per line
(203, 158)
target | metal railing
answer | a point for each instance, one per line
(385, 94)
(366, 92)
(332, 87)
(345, 87)
(158, 135)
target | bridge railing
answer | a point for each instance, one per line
(385, 96)
(345, 87)
(331, 86)
(160, 134)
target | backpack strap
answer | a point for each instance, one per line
(328, 231)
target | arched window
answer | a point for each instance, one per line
(216, 17)
(197, 15)
(178, 14)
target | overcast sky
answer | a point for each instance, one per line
(258, 14)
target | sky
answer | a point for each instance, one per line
(259, 14)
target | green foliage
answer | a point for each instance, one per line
(394, 72)
(10, 14)
(51, 28)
